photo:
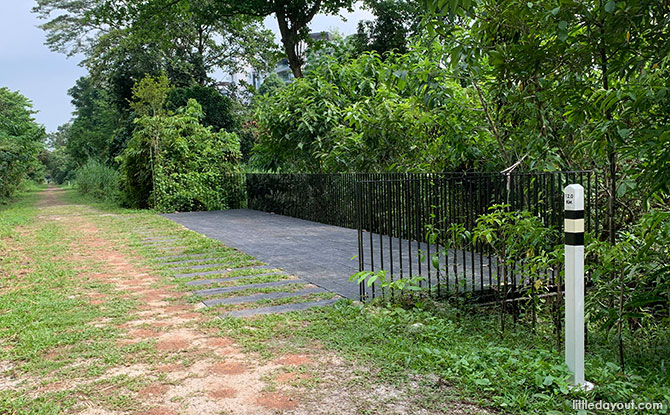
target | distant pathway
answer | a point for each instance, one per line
(317, 253)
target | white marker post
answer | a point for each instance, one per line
(574, 283)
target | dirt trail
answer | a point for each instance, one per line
(52, 197)
(190, 370)
(208, 374)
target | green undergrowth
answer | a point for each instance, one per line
(518, 373)
(72, 196)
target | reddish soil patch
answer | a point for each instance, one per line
(172, 345)
(294, 360)
(289, 377)
(143, 333)
(274, 400)
(177, 308)
(222, 392)
(136, 290)
(158, 410)
(52, 354)
(136, 281)
(155, 389)
(158, 292)
(176, 367)
(53, 387)
(219, 342)
(190, 316)
(228, 368)
(97, 298)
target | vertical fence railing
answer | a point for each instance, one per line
(398, 215)
(393, 213)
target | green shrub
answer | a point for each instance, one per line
(217, 108)
(192, 164)
(174, 163)
(21, 140)
(271, 85)
(402, 113)
(98, 181)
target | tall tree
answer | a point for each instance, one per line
(94, 124)
(293, 18)
(182, 37)
(396, 21)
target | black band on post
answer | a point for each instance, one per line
(574, 214)
(575, 239)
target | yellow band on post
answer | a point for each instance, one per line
(574, 225)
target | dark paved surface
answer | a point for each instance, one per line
(321, 254)
(317, 253)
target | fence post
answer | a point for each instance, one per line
(574, 283)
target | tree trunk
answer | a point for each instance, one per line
(622, 283)
(611, 145)
(290, 40)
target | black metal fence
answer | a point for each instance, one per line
(323, 198)
(394, 211)
(398, 215)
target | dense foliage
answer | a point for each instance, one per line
(217, 108)
(98, 181)
(191, 161)
(173, 161)
(59, 163)
(395, 23)
(21, 140)
(94, 124)
(368, 114)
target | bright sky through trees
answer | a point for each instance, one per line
(44, 76)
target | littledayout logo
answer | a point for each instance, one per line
(616, 406)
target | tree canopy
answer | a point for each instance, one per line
(293, 18)
(21, 140)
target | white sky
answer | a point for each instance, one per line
(27, 66)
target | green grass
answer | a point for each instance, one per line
(46, 318)
(519, 373)
(271, 302)
(18, 211)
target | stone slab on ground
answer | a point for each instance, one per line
(160, 258)
(221, 271)
(221, 290)
(189, 261)
(263, 296)
(213, 265)
(239, 277)
(284, 308)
